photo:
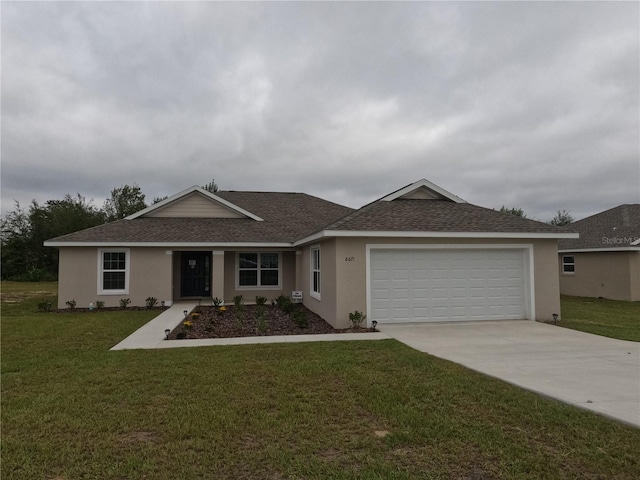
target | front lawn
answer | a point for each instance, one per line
(375, 409)
(610, 318)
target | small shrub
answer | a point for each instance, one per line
(261, 300)
(284, 303)
(151, 302)
(45, 306)
(240, 316)
(71, 304)
(124, 302)
(300, 319)
(237, 300)
(188, 325)
(260, 318)
(99, 304)
(356, 318)
(181, 335)
(216, 302)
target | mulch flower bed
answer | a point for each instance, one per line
(227, 322)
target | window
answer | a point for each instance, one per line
(315, 272)
(113, 272)
(568, 264)
(259, 270)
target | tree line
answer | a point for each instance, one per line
(23, 230)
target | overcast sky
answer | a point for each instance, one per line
(531, 105)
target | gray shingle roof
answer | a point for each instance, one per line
(437, 216)
(613, 228)
(287, 217)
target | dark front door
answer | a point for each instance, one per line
(196, 274)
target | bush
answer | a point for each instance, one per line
(300, 319)
(238, 300)
(356, 318)
(284, 303)
(216, 302)
(45, 306)
(99, 304)
(151, 302)
(261, 300)
(71, 304)
(124, 302)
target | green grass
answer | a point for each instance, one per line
(610, 318)
(345, 410)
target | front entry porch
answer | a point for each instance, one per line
(198, 274)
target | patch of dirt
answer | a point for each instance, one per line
(212, 322)
(106, 309)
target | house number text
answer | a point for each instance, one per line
(349, 259)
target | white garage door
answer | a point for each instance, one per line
(433, 285)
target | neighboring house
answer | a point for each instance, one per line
(605, 260)
(419, 254)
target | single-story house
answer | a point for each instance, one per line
(605, 260)
(419, 254)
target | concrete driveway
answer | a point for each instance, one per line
(589, 371)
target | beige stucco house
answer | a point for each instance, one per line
(419, 254)
(605, 260)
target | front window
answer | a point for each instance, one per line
(259, 270)
(113, 272)
(568, 264)
(315, 272)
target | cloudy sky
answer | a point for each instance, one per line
(531, 105)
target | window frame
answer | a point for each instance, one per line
(317, 294)
(258, 269)
(102, 271)
(566, 263)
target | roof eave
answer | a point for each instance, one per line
(171, 244)
(424, 234)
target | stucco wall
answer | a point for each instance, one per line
(613, 275)
(344, 274)
(326, 306)
(149, 276)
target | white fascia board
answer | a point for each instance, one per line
(603, 250)
(423, 183)
(186, 192)
(398, 234)
(171, 244)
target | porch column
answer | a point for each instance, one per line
(298, 283)
(217, 274)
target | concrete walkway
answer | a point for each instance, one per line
(589, 371)
(151, 335)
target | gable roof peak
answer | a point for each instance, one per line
(187, 192)
(423, 189)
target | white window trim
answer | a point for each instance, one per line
(127, 270)
(258, 287)
(312, 293)
(564, 272)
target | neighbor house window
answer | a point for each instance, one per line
(568, 264)
(113, 268)
(259, 270)
(315, 272)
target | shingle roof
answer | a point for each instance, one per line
(287, 217)
(613, 228)
(437, 216)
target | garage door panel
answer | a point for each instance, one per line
(447, 285)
